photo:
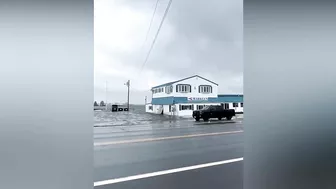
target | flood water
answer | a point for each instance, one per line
(136, 116)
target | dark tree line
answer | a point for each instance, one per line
(102, 103)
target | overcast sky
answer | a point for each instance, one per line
(198, 37)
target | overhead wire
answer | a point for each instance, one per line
(156, 35)
(151, 21)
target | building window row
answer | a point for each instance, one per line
(235, 105)
(199, 107)
(158, 90)
(183, 88)
(186, 107)
(192, 107)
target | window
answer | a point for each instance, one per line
(183, 88)
(150, 107)
(235, 104)
(199, 107)
(205, 89)
(186, 107)
(169, 89)
(158, 90)
(226, 106)
(241, 104)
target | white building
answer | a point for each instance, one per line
(181, 97)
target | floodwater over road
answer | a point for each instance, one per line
(139, 150)
(136, 116)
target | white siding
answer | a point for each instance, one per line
(157, 109)
(237, 109)
(188, 113)
(162, 94)
(195, 82)
(147, 108)
(185, 113)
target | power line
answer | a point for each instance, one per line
(151, 22)
(156, 35)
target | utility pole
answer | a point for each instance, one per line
(128, 92)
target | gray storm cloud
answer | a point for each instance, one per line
(198, 37)
(205, 33)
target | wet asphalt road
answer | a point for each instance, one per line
(140, 157)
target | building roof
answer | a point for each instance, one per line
(162, 85)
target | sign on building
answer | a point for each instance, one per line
(197, 98)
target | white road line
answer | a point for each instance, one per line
(163, 138)
(147, 175)
(131, 128)
(139, 129)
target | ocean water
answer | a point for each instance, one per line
(136, 116)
